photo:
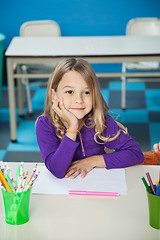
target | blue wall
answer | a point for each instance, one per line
(75, 17)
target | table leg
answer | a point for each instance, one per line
(123, 92)
(20, 93)
(12, 104)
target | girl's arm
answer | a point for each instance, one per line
(127, 151)
(129, 154)
(56, 155)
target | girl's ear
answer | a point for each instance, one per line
(53, 95)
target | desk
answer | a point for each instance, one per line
(63, 217)
(34, 50)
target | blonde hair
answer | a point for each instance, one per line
(99, 110)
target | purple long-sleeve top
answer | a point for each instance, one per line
(58, 154)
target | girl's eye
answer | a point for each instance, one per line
(87, 93)
(69, 92)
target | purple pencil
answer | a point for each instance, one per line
(151, 183)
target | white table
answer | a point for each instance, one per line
(87, 217)
(34, 50)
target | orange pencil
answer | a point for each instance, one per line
(156, 182)
(4, 182)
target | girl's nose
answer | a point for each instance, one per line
(78, 98)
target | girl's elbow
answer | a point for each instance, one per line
(140, 158)
(56, 170)
(59, 176)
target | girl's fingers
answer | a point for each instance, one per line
(56, 107)
(83, 173)
(61, 104)
(74, 175)
(74, 172)
(62, 107)
(70, 172)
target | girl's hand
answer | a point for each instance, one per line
(69, 120)
(157, 147)
(80, 167)
(84, 166)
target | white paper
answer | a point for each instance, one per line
(99, 179)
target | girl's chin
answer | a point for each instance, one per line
(79, 116)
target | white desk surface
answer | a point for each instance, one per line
(62, 217)
(83, 46)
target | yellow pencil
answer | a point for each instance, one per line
(4, 182)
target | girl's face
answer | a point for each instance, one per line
(75, 93)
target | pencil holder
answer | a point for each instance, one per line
(154, 210)
(16, 207)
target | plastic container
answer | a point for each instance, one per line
(2, 38)
(154, 210)
(16, 207)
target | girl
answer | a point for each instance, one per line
(76, 128)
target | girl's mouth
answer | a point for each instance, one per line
(78, 109)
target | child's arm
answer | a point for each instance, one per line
(125, 157)
(56, 154)
(157, 147)
(127, 151)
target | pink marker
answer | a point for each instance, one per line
(34, 170)
(111, 194)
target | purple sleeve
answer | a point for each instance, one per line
(56, 155)
(127, 151)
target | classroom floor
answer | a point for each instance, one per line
(142, 118)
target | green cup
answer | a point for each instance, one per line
(16, 207)
(154, 210)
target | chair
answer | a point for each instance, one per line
(140, 27)
(45, 28)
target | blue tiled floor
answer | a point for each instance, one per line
(154, 128)
(132, 115)
(142, 118)
(26, 138)
(129, 86)
(153, 99)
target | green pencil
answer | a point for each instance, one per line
(17, 174)
(146, 185)
(10, 183)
